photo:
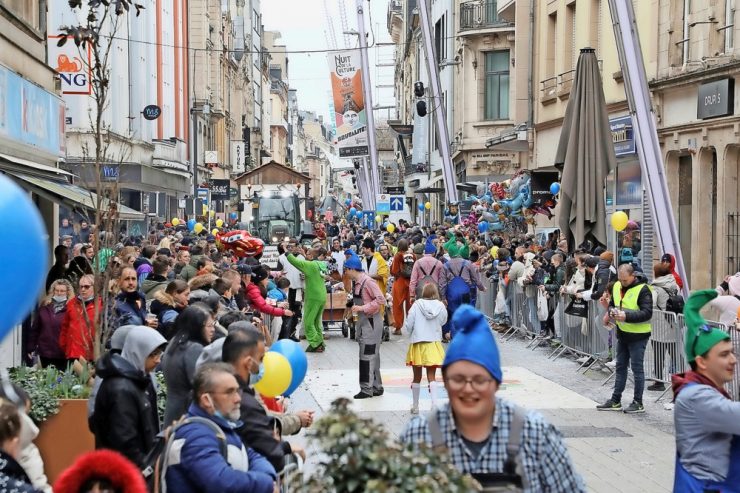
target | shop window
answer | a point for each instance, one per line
(497, 86)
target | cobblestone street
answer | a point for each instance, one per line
(614, 452)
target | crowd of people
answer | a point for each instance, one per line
(180, 303)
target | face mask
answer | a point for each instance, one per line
(89, 298)
(59, 299)
(254, 378)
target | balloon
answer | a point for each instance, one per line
(421, 207)
(428, 205)
(352, 212)
(175, 221)
(219, 223)
(347, 202)
(233, 215)
(278, 375)
(483, 226)
(214, 231)
(619, 220)
(390, 228)
(198, 228)
(23, 278)
(555, 188)
(297, 359)
(191, 224)
(211, 213)
(378, 218)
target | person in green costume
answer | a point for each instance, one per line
(314, 300)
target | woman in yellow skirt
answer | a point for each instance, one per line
(424, 328)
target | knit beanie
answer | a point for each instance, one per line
(429, 247)
(700, 337)
(258, 274)
(473, 341)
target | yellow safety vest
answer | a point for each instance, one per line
(629, 302)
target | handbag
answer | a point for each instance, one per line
(543, 310)
(577, 308)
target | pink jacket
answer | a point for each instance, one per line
(372, 297)
(427, 262)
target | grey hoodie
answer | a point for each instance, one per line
(425, 320)
(116, 344)
(665, 284)
(140, 342)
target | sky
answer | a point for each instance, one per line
(302, 24)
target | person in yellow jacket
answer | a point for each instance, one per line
(630, 308)
(374, 264)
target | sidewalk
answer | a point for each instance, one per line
(614, 452)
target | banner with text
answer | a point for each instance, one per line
(350, 114)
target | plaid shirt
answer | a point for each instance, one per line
(544, 457)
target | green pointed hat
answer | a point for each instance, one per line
(700, 337)
(452, 247)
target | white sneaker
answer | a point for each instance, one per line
(414, 410)
(611, 364)
(582, 359)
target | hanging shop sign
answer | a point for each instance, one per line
(716, 99)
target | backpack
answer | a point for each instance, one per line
(406, 270)
(626, 256)
(675, 302)
(425, 279)
(157, 461)
(458, 290)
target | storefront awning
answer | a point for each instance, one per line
(72, 195)
(12, 164)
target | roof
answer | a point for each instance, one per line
(274, 172)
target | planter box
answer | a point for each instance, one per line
(64, 437)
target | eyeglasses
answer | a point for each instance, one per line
(458, 382)
(85, 286)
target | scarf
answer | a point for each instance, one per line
(679, 381)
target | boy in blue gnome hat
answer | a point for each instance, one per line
(496, 441)
(707, 420)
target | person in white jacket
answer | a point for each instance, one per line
(424, 327)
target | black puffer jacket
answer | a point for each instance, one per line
(125, 418)
(603, 276)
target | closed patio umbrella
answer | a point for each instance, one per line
(585, 156)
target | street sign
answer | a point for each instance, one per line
(397, 202)
(203, 195)
(383, 203)
(395, 190)
(368, 219)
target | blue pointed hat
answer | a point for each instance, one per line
(429, 248)
(474, 342)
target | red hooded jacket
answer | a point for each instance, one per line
(673, 269)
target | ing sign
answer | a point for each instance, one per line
(73, 65)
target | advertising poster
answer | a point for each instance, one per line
(350, 114)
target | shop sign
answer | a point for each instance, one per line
(73, 63)
(30, 115)
(623, 135)
(219, 189)
(152, 112)
(716, 99)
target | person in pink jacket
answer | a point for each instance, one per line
(425, 269)
(256, 292)
(368, 299)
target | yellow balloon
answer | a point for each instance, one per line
(619, 220)
(214, 231)
(198, 227)
(175, 221)
(212, 213)
(278, 375)
(219, 223)
(205, 209)
(428, 205)
(390, 228)
(378, 218)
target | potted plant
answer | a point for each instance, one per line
(357, 455)
(59, 408)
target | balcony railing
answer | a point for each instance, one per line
(478, 14)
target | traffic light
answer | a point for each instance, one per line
(419, 89)
(421, 108)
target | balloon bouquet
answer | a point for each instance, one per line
(285, 366)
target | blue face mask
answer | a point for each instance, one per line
(256, 377)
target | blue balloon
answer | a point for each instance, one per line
(191, 224)
(555, 188)
(421, 207)
(233, 215)
(26, 237)
(352, 212)
(483, 226)
(297, 359)
(348, 202)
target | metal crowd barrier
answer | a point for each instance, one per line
(591, 342)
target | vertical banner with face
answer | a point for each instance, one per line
(349, 103)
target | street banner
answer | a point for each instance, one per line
(238, 157)
(350, 114)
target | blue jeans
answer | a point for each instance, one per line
(630, 353)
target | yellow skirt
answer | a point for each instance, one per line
(428, 354)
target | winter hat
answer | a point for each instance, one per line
(258, 274)
(699, 336)
(353, 263)
(105, 465)
(452, 247)
(474, 342)
(349, 252)
(734, 285)
(429, 247)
